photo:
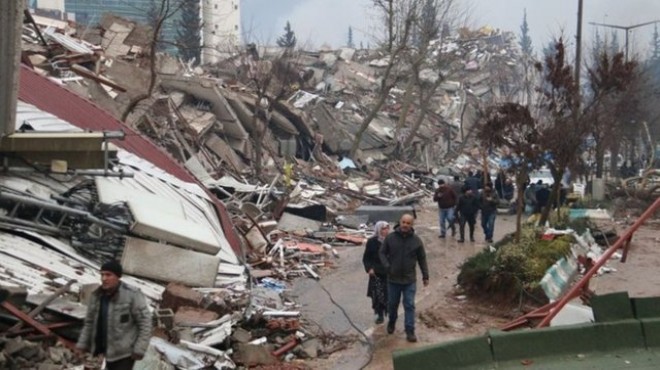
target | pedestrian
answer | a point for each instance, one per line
(472, 182)
(446, 199)
(466, 212)
(400, 253)
(529, 196)
(377, 287)
(499, 183)
(457, 186)
(117, 325)
(488, 205)
(542, 196)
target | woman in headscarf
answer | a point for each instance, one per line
(377, 288)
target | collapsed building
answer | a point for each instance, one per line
(184, 209)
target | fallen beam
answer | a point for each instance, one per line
(43, 329)
(61, 290)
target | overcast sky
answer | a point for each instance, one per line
(316, 22)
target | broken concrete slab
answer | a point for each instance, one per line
(317, 212)
(167, 263)
(289, 222)
(352, 221)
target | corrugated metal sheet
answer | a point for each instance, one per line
(30, 117)
(165, 207)
(75, 45)
(41, 270)
(69, 106)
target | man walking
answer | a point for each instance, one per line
(488, 205)
(400, 253)
(466, 212)
(118, 322)
(446, 199)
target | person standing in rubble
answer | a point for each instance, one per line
(377, 287)
(117, 325)
(446, 199)
(400, 253)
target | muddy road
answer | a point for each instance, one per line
(442, 312)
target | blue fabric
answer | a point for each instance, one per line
(446, 216)
(395, 291)
(488, 224)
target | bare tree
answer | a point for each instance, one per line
(399, 18)
(159, 14)
(435, 15)
(271, 80)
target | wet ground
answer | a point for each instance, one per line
(442, 313)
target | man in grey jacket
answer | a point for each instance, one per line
(400, 253)
(118, 321)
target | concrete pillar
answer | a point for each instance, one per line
(11, 22)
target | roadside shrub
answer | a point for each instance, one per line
(512, 267)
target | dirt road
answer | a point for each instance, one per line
(442, 313)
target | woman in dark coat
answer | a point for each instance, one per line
(377, 288)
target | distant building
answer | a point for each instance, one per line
(222, 28)
(221, 20)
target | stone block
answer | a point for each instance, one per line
(190, 316)
(241, 335)
(252, 355)
(178, 295)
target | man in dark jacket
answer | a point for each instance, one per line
(472, 182)
(446, 199)
(466, 212)
(118, 321)
(400, 253)
(542, 196)
(488, 203)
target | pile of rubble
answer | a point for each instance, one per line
(308, 199)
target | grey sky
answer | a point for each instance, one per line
(326, 21)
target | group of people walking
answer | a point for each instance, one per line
(461, 201)
(391, 259)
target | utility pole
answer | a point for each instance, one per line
(625, 28)
(578, 46)
(11, 21)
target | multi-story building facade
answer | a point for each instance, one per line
(221, 31)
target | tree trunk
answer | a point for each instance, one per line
(614, 159)
(520, 204)
(405, 107)
(554, 196)
(365, 124)
(423, 106)
(600, 159)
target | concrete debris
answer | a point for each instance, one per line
(310, 198)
